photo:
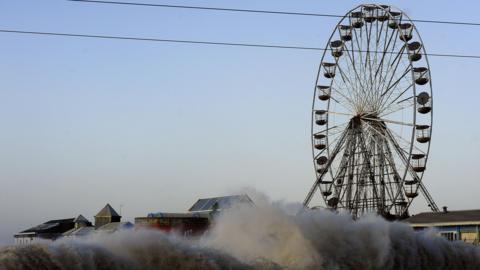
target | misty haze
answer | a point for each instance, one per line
(243, 135)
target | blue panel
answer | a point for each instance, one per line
(199, 205)
(209, 204)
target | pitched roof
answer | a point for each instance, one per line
(82, 231)
(209, 204)
(80, 218)
(51, 226)
(115, 226)
(177, 215)
(462, 216)
(107, 211)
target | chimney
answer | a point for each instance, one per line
(445, 210)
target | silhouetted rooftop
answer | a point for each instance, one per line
(462, 216)
(51, 226)
(219, 203)
(107, 211)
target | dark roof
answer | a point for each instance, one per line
(52, 226)
(115, 226)
(107, 211)
(209, 204)
(177, 215)
(446, 217)
(81, 219)
(82, 231)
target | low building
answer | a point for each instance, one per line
(48, 231)
(107, 220)
(197, 221)
(460, 225)
(186, 224)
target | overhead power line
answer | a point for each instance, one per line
(254, 11)
(204, 42)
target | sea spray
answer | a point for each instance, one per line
(142, 249)
(262, 237)
(321, 239)
(249, 233)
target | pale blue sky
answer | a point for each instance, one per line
(155, 126)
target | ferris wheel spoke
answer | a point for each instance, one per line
(337, 101)
(378, 39)
(353, 88)
(368, 60)
(398, 96)
(349, 101)
(360, 53)
(386, 109)
(388, 121)
(332, 138)
(332, 128)
(399, 90)
(342, 74)
(352, 77)
(345, 80)
(394, 110)
(407, 142)
(390, 68)
(379, 69)
(352, 61)
(340, 113)
(363, 98)
(392, 85)
(406, 99)
(399, 54)
(333, 134)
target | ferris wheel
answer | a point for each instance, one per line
(372, 115)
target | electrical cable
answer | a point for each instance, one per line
(272, 46)
(253, 11)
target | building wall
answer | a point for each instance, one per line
(24, 240)
(185, 226)
(465, 233)
(469, 237)
(27, 240)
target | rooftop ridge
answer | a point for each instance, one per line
(107, 211)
